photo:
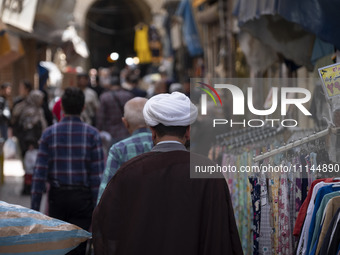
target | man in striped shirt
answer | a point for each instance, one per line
(139, 142)
(71, 160)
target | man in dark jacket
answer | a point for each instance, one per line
(152, 206)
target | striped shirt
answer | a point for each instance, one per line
(139, 142)
(70, 153)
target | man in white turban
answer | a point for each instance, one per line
(152, 206)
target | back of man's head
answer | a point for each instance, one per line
(132, 79)
(82, 80)
(73, 101)
(115, 80)
(133, 112)
(170, 114)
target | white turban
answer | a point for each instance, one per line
(173, 109)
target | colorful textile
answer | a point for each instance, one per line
(274, 185)
(284, 243)
(320, 195)
(256, 203)
(303, 209)
(265, 244)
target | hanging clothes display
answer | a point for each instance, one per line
(189, 29)
(325, 200)
(141, 44)
(155, 45)
(282, 205)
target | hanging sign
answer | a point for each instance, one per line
(19, 13)
(330, 77)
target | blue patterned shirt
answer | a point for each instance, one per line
(139, 142)
(70, 153)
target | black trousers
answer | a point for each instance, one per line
(74, 206)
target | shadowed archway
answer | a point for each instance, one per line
(110, 28)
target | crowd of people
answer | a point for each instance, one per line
(113, 159)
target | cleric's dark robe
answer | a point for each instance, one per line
(153, 207)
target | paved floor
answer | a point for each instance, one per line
(11, 189)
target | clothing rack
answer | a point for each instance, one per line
(292, 145)
(237, 138)
(233, 133)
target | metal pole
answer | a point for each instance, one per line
(292, 145)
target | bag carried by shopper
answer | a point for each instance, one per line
(25, 231)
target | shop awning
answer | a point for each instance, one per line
(44, 20)
(285, 25)
(320, 17)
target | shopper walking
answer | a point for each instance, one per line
(139, 142)
(88, 115)
(28, 122)
(5, 113)
(70, 159)
(111, 110)
(152, 206)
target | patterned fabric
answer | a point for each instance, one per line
(240, 188)
(138, 143)
(274, 185)
(291, 178)
(109, 114)
(70, 153)
(256, 203)
(284, 244)
(265, 244)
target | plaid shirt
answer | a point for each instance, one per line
(110, 113)
(138, 143)
(70, 153)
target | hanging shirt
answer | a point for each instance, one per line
(256, 203)
(284, 244)
(302, 246)
(321, 193)
(318, 219)
(190, 33)
(326, 245)
(141, 44)
(330, 210)
(303, 210)
(265, 244)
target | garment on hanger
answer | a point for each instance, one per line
(278, 201)
(318, 219)
(285, 240)
(302, 245)
(265, 243)
(303, 210)
(141, 43)
(326, 245)
(320, 195)
(256, 203)
(329, 212)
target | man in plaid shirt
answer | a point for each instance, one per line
(139, 142)
(71, 160)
